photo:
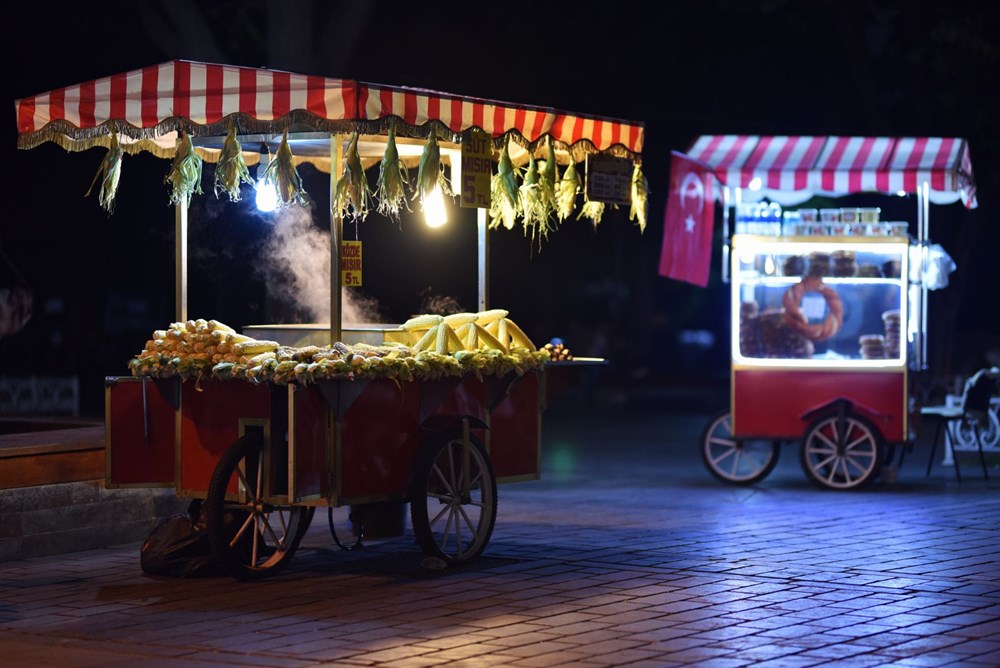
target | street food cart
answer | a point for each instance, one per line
(265, 431)
(829, 306)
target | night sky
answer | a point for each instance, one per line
(102, 283)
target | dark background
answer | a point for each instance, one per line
(102, 283)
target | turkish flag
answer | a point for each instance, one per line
(689, 221)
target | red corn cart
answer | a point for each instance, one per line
(828, 306)
(262, 452)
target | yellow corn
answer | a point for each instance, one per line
(216, 325)
(488, 339)
(422, 322)
(502, 336)
(456, 319)
(260, 358)
(441, 345)
(425, 340)
(519, 337)
(454, 343)
(255, 347)
(486, 317)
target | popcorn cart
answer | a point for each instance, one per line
(267, 424)
(829, 307)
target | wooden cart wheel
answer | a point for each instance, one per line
(841, 451)
(250, 538)
(734, 460)
(453, 503)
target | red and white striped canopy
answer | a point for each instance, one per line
(840, 165)
(149, 105)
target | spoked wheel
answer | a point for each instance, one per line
(736, 461)
(453, 505)
(841, 451)
(250, 537)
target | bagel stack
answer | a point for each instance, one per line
(872, 346)
(845, 264)
(892, 331)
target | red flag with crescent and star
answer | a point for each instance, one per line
(689, 222)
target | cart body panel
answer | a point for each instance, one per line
(139, 432)
(776, 403)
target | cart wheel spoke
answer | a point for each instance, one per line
(733, 460)
(841, 452)
(243, 528)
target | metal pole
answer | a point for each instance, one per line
(725, 234)
(336, 237)
(923, 227)
(180, 259)
(482, 229)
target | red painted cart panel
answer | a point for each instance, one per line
(139, 433)
(772, 403)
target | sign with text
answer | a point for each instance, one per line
(350, 264)
(609, 179)
(477, 168)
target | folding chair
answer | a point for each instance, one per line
(973, 411)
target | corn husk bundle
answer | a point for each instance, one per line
(566, 190)
(429, 172)
(548, 177)
(393, 180)
(285, 178)
(231, 170)
(640, 198)
(353, 195)
(184, 176)
(505, 197)
(592, 211)
(534, 208)
(108, 173)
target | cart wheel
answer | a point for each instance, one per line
(453, 507)
(841, 452)
(736, 461)
(250, 538)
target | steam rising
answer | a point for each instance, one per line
(297, 269)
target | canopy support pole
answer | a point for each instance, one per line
(483, 265)
(725, 233)
(336, 237)
(180, 259)
(923, 227)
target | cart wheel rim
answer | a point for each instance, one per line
(738, 461)
(454, 509)
(841, 453)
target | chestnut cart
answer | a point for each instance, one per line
(262, 456)
(829, 307)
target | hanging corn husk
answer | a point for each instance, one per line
(429, 172)
(393, 180)
(534, 211)
(282, 173)
(640, 196)
(184, 176)
(505, 198)
(592, 211)
(566, 190)
(353, 194)
(548, 178)
(108, 173)
(231, 170)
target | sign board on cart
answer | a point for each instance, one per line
(477, 169)
(350, 264)
(609, 179)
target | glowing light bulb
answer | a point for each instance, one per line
(755, 183)
(267, 196)
(435, 214)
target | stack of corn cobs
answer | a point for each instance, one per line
(483, 344)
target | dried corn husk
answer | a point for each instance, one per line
(282, 173)
(108, 172)
(393, 180)
(429, 173)
(505, 198)
(352, 194)
(566, 190)
(533, 208)
(184, 176)
(231, 170)
(592, 211)
(548, 178)
(640, 197)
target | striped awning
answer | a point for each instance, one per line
(840, 165)
(147, 107)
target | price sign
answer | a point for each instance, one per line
(350, 264)
(477, 169)
(609, 179)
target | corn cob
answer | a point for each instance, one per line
(441, 344)
(593, 211)
(454, 343)
(486, 317)
(502, 336)
(231, 169)
(422, 322)
(108, 172)
(489, 339)
(569, 186)
(260, 358)
(426, 339)
(255, 347)
(282, 173)
(184, 176)
(505, 198)
(640, 195)
(216, 325)
(353, 195)
(518, 336)
(458, 319)
(393, 179)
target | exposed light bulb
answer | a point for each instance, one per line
(755, 183)
(435, 214)
(267, 195)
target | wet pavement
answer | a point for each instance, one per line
(626, 552)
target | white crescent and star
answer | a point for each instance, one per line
(691, 187)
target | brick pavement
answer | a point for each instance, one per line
(626, 553)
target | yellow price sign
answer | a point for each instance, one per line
(350, 264)
(477, 168)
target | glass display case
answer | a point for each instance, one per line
(820, 302)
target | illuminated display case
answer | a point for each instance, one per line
(820, 302)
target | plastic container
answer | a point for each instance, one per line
(808, 215)
(869, 214)
(850, 214)
(829, 215)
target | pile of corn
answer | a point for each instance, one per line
(199, 349)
